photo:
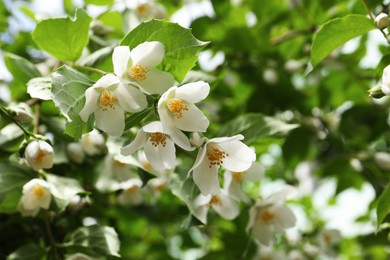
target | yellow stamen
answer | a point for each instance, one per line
(148, 166)
(215, 200)
(176, 106)
(38, 191)
(138, 72)
(118, 164)
(132, 189)
(158, 138)
(238, 176)
(327, 238)
(142, 8)
(40, 156)
(267, 216)
(107, 100)
(215, 155)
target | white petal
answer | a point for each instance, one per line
(193, 92)
(255, 172)
(148, 54)
(228, 207)
(279, 197)
(106, 81)
(236, 191)
(200, 213)
(156, 81)
(193, 120)
(121, 60)
(284, 217)
(139, 141)
(153, 127)
(111, 121)
(253, 213)
(91, 103)
(206, 178)
(199, 157)
(130, 98)
(160, 157)
(263, 233)
(226, 139)
(240, 156)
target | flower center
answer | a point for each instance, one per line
(215, 155)
(215, 200)
(148, 166)
(107, 100)
(38, 191)
(327, 238)
(176, 106)
(238, 176)
(40, 156)
(132, 189)
(267, 216)
(157, 139)
(141, 8)
(138, 72)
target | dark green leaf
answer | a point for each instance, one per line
(383, 207)
(27, 252)
(336, 32)
(181, 47)
(68, 90)
(13, 176)
(64, 38)
(135, 118)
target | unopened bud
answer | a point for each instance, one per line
(376, 92)
(196, 139)
(93, 143)
(382, 21)
(382, 159)
(270, 76)
(39, 155)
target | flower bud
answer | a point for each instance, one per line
(36, 195)
(75, 152)
(382, 159)
(93, 143)
(196, 139)
(39, 155)
(386, 81)
(382, 21)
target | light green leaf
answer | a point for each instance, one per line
(94, 240)
(336, 32)
(253, 126)
(13, 176)
(64, 38)
(99, 2)
(39, 88)
(181, 47)
(63, 189)
(27, 252)
(68, 90)
(383, 207)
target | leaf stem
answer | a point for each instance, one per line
(90, 69)
(50, 236)
(6, 113)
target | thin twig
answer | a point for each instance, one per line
(7, 114)
(50, 236)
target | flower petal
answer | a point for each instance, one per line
(130, 98)
(161, 157)
(138, 142)
(111, 121)
(193, 120)
(226, 139)
(106, 81)
(121, 60)
(91, 103)
(156, 81)
(236, 191)
(153, 127)
(206, 178)
(240, 156)
(193, 92)
(284, 218)
(228, 207)
(263, 233)
(148, 54)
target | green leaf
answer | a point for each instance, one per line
(99, 2)
(27, 252)
(181, 47)
(68, 90)
(253, 126)
(336, 32)
(63, 189)
(94, 240)
(13, 176)
(39, 88)
(64, 38)
(383, 207)
(135, 118)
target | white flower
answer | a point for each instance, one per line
(39, 155)
(270, 216)
(176, 109)
(386, 81)
(93, 143)
(108, 98)
(146, 9)
(36, 195)
(139, 66)
(228, 152)
(75, 152)
(329, 237)
(222, 203)
(233, 180)
(158, 147)
(131, 192)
